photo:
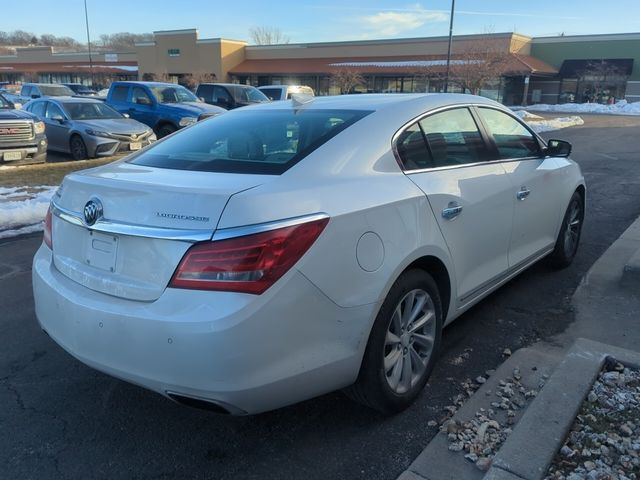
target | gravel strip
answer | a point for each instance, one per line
(604, 442)
(480, 438)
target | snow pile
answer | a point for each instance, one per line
(539, 124)
(621, 107)
(22, 209)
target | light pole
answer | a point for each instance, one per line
(86, 19)
(446, 79)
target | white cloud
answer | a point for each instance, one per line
(394, 22)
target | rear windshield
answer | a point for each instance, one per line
(265, 142)
(272, 93)
(248, 95)
(55, 90)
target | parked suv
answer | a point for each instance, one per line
(22, 137)
(230, 95)
(165, 107)
(38, 90)
(284, 92)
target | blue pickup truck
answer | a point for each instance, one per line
(165, 107)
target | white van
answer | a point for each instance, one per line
(284, 92)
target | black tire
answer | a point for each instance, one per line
(373, 386)
(165, 129)
(569, 236)
(77, 148)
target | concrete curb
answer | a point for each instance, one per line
(437, 462)
(529, 450)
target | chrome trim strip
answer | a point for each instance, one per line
(122, 228)
(495, 282)
(234, 232)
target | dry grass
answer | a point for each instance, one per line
(45, 173)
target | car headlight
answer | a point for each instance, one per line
(186, 121)
(97, 133)
(38, 127)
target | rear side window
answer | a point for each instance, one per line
(453, 138)
(120, 93)
(249, 141)
(38, 109)
(412, 149)
(512, 139)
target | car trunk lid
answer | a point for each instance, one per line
(150, 217)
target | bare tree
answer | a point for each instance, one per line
(192, 80)
(478, 64)
(346, 79)
(268, 36)
(123, 40)
(155, 77)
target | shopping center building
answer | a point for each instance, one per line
(533, 69)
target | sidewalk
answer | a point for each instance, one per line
(607, 306)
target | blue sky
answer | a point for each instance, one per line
(309, 21)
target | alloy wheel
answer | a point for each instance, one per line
(410, 340)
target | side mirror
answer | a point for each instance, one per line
(126, 115)
(58, 118)
(558, 148)
(35, 95)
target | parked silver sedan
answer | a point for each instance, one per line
(88, 128)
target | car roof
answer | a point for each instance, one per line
(65, 99)
(45, 84)
(228, 84)
(150, 84)
(380, 101)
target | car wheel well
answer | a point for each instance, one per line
(434, 267)
(581, 190)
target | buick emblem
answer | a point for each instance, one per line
(92, 211)
(134, 136)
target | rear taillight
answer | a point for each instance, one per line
(248, 264)
(48, 238)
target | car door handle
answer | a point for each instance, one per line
(452, 211)
(523, 193)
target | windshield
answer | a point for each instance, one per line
(248, 95)
(55, 90)
(4, 103)
(90, 111)
(255, 142)
(173, 94)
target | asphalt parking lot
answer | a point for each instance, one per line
(61, 419)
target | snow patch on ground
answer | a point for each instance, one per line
(22, 209)
(621, 107)
(539, 124)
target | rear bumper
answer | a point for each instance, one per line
(248, 353)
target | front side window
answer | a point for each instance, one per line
(221, 94)
(175, 94)
(512, 139)
(205, 91)
(254, 142)
(453, 138)
(272, 93)
(139, 95)
(37, 109)
(26, 90)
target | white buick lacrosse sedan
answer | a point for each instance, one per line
(283, 251)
